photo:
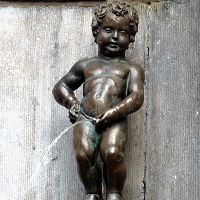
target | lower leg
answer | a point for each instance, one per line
(116, 180)
(90, 177)
(114, 196)
(116, 174)
(92, 197)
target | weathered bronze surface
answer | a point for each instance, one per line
(112, 89)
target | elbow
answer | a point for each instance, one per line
(140, 100)
(56, 91)
(141, 97)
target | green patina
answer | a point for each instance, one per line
(94, 137)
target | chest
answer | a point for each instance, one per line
(101, 70)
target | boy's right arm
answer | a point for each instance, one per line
(63, 90)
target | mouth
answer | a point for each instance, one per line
(113, 44)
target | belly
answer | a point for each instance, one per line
(96, 102)
(102, 93)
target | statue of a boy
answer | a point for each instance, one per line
(112, 89)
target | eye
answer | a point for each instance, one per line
(123, 32)
(108, 30)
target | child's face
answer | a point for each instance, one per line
(114, 35)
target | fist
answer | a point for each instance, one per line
(105, 119)
(73, 112)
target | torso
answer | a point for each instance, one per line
(105, 85)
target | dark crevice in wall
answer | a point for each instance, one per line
(147, 59)
(144, 177)
(148, 53)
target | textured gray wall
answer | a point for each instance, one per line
(173, 102)
(39, 43)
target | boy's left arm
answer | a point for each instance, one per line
(131, 103)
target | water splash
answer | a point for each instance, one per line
(45, 161)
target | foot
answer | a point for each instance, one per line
(92, 197)
(114, 196)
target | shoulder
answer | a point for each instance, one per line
(136, 70)
(83, 63)
(79, 67)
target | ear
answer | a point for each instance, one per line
(132, 38)
(95, 36)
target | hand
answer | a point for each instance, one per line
(73, 112)
(105, 119)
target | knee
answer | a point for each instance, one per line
(113, 155)
(82, 157)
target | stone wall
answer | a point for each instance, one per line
(40, 42)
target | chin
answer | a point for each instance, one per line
(114, 53)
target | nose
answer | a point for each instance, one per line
(115, 35)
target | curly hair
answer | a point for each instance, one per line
(119, 9)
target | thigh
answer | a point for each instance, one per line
(114, 138)
(86, 139)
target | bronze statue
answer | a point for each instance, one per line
(112, 89)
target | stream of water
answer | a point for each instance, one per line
(45, 158)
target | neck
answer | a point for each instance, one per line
(104, 57)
